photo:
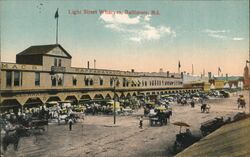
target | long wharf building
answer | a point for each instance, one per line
(43, 73)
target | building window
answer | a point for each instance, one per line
(8, 78)
(101, 82)
(53, 80)
(74, 80)
(145, 83)
(37, 79)
(59, 62)
(124, 82)
(111, 82)
(91, 82)
(60, 80)
(55, 62)
(16, 78)
(86, 82)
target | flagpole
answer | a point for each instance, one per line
(218, 72)
(192, 69)
(56, 16)
(179, 66)
(56, 30)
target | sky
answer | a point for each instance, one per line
(152, 35)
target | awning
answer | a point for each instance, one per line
(74, 77)
(59, 76)
(53, 77)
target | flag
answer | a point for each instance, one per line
(56, 14)
(219, 69)
(179, 64)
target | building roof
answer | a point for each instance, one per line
(42, 50)
(229, 140)
(230, 78)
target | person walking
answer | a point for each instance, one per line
(70, 124)
(141, 122)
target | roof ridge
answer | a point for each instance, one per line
(46, 45)
(42, 50)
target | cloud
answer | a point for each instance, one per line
(136, 29)
(119, 19)
(238, 39)
(153, 33)
(215, 31)
(135, 39)
(219, 34)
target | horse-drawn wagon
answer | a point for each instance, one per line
(39, 124)
(159, 118)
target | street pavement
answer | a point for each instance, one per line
(95, 136)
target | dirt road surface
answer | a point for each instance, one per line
(97, 137)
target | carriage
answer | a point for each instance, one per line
(160, 118)
(184, 140)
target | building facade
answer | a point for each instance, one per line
(44, 73)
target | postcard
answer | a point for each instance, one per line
(135, 78)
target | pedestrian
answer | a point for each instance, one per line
(141, 122)
(192, 103)
(70, 124)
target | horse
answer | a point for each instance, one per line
(241, 103)
(183, 101)
(205, 108)
(13, 137)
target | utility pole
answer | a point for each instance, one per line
(114, 105)
(0, 94)
(248, 88)
(114, 80)
(249, 85)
